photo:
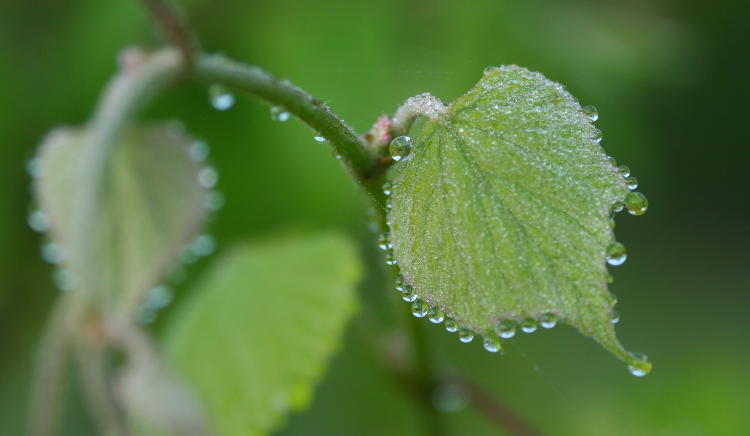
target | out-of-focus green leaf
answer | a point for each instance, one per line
(262, 325)
(152, 204)
(502, 211)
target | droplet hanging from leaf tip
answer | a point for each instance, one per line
(624, 170)
(638, 364)
(400, 148)
(632, 182)
(387, 188)
(38, 221)
(221, 98)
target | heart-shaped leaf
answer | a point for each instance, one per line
(500, 215)
(151, 205)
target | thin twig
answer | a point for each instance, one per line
(504, 416)
(175, 29)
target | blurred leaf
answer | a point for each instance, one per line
(152, 204)
(502, 213)
(156, 402)
(260, 328)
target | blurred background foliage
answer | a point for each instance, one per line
(669, 78)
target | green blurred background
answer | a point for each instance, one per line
(669, 78)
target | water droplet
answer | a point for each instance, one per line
(529, 325)
(409, 294)
(389, 259)
(632, 182)
(38, 221)
(624, 170)
(319, 138)
(492, 343)
(62, 278)
(400, 148)
(451, 325)
(436, 315)
(51, 253)
(612, 160)
(548, 320)
(636, 203)
(34, 167)
(616, 254)
(387, 188)
(506, 329)
(198, 151)
(449, 397)
(158, 297)
(384, 241)
(400, 284)
(214, 201)
(419, 308)
(203, 245)
(591, 112)
(465, 335)
(221, 98)
(598, 136)
(280, 114)
(618, 207)
(207, 177)
(638, 364)
(615, 317)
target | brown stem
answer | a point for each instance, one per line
(493, 409)
(175, 29)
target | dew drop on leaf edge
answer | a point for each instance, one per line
(591, 112)
(506, 329)
(491, 343)
(636, 203)
(616, 254)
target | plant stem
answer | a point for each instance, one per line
(175, 29)
(127, 92)
(361, 163)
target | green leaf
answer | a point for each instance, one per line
(261, 327)
(151, 206)
(502, 211)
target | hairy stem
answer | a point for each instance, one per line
(360, 162)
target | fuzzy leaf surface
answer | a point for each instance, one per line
(502, 210)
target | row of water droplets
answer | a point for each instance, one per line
(636, 204)
(222, 99)
(161, 295)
